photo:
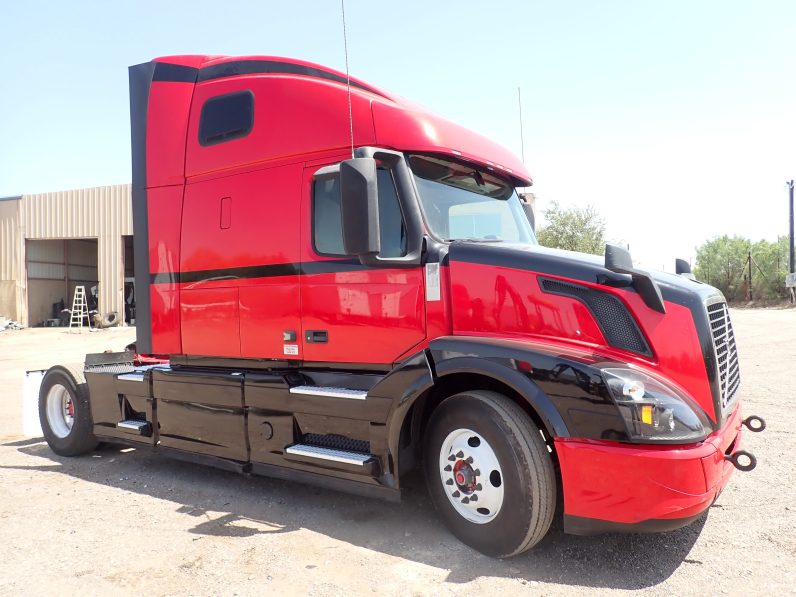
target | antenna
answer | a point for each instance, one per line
(522, 137)
(348, 80)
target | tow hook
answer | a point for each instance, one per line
(754, 423)
(738, 458)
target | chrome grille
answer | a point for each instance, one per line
(727, 370)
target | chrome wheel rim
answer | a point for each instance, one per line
(471, 476)
(60, 411)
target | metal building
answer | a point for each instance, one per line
(52, 242)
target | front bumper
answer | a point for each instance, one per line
(611, 487)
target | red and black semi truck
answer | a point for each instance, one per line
(336, 286)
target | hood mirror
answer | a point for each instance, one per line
(617, 259)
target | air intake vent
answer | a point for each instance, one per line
(615, 321)
(729, 374)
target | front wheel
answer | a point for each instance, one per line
(489, 473)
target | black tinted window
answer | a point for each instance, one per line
(327, 222)
(391, 224)
(226, 117)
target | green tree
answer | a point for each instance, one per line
(721, 263)
(770, 265)
(576, 229)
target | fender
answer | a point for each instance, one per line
(560, 383)
(486, 357)
(403, 385)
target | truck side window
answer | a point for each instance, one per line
(226, 117)
(327, 222)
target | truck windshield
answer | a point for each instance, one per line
(462, 202)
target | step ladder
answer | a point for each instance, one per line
(79, 310)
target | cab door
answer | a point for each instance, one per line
(353, 313)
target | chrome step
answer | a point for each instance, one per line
(329, 392)
(135, 426)
(132, 376)
(320, 453)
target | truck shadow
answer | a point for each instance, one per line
(231, 505)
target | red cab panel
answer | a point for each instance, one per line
(210, 322)
(165, 319)
(167, 125)
(293, 116)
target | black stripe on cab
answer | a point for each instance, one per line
(175, 73)
(186, 74)
(259, 271)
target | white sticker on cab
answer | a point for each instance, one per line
(432, 282)
(291, 349)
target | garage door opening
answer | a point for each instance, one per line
(54, 269)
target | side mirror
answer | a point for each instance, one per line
(528, 201)
(681, 266)
(528, 209)
(359, 207)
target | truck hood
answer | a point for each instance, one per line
(681, 338)
(575, 266)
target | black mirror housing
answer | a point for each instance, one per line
(681, 266)
(617, 259)
(359, 207)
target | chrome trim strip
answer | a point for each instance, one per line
(329, 392)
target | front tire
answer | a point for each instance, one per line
(489, 473)
(64, 412)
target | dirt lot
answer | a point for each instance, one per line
(122, 522)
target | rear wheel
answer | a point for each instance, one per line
(64, 412)
(489, 473)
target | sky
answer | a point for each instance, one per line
(676, 120)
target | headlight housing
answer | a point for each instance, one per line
(653, 411)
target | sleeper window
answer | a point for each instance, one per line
(226, 117)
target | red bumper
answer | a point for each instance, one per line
(612, 486)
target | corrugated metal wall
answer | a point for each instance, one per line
(104, 213)
(11, 259)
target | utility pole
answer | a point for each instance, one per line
(522, 135)
(792, 262)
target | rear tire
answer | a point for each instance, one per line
(64, 411)
(481, 444)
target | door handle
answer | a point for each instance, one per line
(226, 213)
(316, 336)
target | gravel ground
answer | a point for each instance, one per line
(122, 522)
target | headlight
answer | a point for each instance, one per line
(653, 411)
